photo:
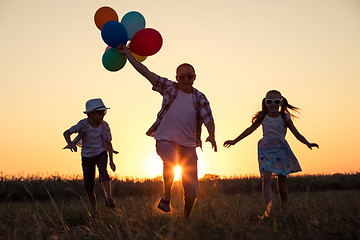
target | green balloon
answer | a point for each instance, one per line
(112, 60)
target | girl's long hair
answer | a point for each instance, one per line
(285, 108)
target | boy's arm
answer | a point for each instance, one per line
(210, 126)
(300, 137)
(244, 134)
(111, 159)
(141, 68)
(70, 145)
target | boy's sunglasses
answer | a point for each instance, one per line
(101, 112)
(189, 76)
(270, 101)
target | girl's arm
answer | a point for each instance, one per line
(111, 160)
(141, 68)
(244, 134)
(298, 136)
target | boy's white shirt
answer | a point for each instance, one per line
(92, 147)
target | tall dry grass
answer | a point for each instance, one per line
(320, 215)
(57, 209)
(41, 188)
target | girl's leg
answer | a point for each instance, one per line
(266, 188)
(283, 192)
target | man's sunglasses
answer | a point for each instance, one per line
(270, 101)
(189, 76)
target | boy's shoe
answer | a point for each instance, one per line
(110, 203)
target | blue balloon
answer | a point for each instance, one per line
(113, 33)
(133, 22)
(112, 60)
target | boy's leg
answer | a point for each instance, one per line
(103, 173)
(110, 203)
(283, 192)
(92, 200)
(105, 179)
(88, 167)
(107, 188)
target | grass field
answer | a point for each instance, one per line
(56, 208)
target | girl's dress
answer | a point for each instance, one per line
(274, 153)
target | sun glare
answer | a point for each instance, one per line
(154, 166)
(177, 173)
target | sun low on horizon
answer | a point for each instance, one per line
(51, 58)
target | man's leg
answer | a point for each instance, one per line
(168, 176)
(189, 178)
(189, 203)
(168, 153)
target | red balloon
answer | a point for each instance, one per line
(146, 42)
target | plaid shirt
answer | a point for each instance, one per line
(169, 90)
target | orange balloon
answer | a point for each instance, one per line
(103, 15)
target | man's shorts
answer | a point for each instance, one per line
(174, 154)
(88, 166)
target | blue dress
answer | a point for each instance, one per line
(274, 153)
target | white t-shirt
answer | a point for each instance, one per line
(93, 139)
(179, 122)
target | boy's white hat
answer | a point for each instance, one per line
(95, 104)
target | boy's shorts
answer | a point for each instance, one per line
(174, 154)
(88, 166)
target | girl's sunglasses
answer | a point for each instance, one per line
(270, 101)
(189, 76)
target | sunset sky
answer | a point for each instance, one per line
(309, 50)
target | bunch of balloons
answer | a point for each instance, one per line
(144, 42)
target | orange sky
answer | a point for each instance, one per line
(51, 65)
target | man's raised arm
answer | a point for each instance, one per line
(141, 68)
